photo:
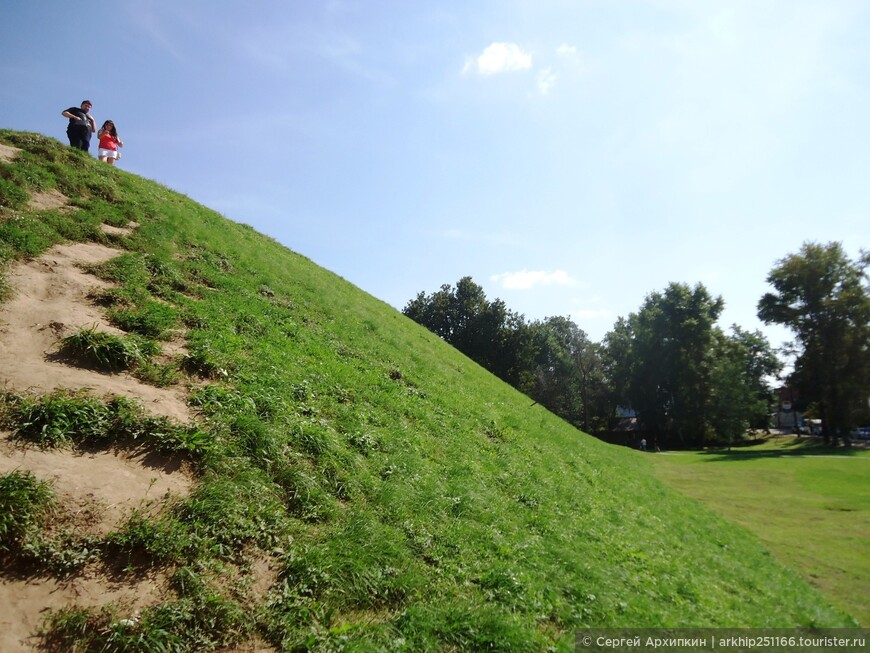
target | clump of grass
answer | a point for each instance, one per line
(241, 508)
(118, 297)
(143, 542)
(150, 272)
(158, 374)
(27, 172)
(55, 420)
(363, 564)
(150, 319)
(304, 494)
(128, 269)
(61, 553)
(206, 361)
(5, 291)
(107, 351)
(12, 195)
(25, 502)
(203, 622)
(94, 630)
(26, 235)
(27, 506)
(65, 418)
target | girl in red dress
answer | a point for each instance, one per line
(109, 143)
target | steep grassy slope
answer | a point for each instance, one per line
(410, 500)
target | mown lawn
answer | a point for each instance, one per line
(809, 504)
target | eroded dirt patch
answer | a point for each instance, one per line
(26, 602)
(50, 302)
(8, 153)
(119, 231)
(48, 200)
(100, 489)
(109, 485)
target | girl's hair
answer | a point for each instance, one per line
(113, 131)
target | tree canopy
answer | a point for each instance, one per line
(485, 331)
(824, 298)
(668, 362)
(687, 381)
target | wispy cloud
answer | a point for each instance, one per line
(546, 80)
(526, 279)
(270, 46)
(499, 57)
(146, 20)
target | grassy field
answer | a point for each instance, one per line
(410, 500)
(809, 504)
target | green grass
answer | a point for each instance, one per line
(809, 504)
(108, 351)
(410, 500)
(25, 502)
(67, 418)
(28, 510)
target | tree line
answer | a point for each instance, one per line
(687, 381)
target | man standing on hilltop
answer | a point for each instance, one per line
(81, 125)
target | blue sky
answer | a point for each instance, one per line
(571, 156)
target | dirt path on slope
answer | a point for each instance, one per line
(7, 152)
(99, 489)
(50, 302)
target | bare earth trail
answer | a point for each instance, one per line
(97, 491)
(50, 302)
(100, 489)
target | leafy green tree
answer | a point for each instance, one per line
(617, 364)
(556, 341)
(824, 298)
(595, 392)
(433, 312)
(553, 361)
(667, 365)
(569, 373)
(744, 364)
(485, 331)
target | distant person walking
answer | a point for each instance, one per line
(81, 125)
(109, 143)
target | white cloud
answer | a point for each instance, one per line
(525, 279)
(500, 57)
(567, 50)
(546, 79)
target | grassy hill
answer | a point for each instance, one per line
(407, 499)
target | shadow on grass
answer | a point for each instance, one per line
(787, 446)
